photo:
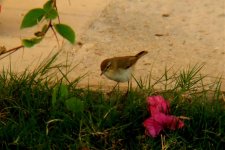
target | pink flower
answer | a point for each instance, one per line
(153, 128)
(160, 118)
(157, 104)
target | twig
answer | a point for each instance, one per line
(54, 2)
(11, 51)
(55, 35)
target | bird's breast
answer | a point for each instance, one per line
(119, 75)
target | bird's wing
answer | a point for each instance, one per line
(130, 61)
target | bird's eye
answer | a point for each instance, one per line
(108, 65)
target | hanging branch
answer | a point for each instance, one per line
(49, 12)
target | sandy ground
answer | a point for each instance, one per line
(176, 33)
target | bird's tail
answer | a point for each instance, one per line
(140, 54)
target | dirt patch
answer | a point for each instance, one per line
(177, 34)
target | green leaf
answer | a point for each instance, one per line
(51, 14)
(63, 91)
(50, 10)
(75, 105)
(60, 92)
(66, 32)
(54, 95)
(44, 28)
(32, 17)
(30, 42)
(48, 5)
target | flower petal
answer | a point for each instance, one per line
(160, 118)
(168, 121)
(153, 128)
(157, 104)
(174, 123)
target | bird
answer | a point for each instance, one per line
(120, 69)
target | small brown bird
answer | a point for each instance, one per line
(120, 69)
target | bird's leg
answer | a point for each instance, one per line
(128, 88)
(115, 86)
(109, 93)
(130, 85)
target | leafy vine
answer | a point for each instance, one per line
(47, 13)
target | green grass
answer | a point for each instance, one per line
(38, 111)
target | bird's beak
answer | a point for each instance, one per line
(103, 71)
